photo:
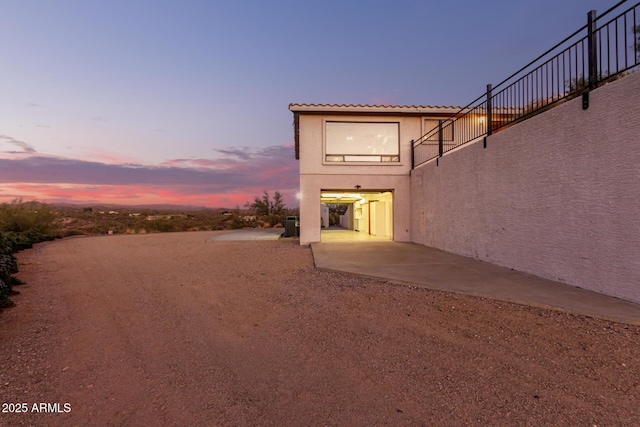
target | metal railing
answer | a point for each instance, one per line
(572, 68)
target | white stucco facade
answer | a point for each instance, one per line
(318, 173)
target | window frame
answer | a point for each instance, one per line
(448, 130)
(367, 158)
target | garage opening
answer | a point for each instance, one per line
(356, 216)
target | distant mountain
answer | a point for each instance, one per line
(158, 207)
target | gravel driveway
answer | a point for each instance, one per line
(172, 330)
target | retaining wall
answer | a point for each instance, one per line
(557, 196)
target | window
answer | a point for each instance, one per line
(362, 142)
(447, 130)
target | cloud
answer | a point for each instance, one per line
(201, 163)
(239, 153)
(230, 181)
(25, 148)
(125, 195)
(101, 154)
(249, 153)
(43, 169)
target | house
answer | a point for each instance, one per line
(555, 195)
(361, 156)
(541, 175)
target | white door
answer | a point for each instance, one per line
(381, 219)
(373, 218)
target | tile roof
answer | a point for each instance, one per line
(373, 108)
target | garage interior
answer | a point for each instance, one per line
(356, 215)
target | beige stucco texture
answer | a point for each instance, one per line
(317, 174)
(557, 195)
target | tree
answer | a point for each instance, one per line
(277, 206)
(261, 206)
(271, 211)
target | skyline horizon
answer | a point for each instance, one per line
(235, 179)
(158, 206)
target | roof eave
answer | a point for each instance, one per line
(372, 109)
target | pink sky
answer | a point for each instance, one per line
(232, 179)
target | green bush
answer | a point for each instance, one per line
(21, 225)
(25, 240)
(5, 291)
(20, 217)
(8, 267)
(161, 226)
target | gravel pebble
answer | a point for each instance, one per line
(169, 329)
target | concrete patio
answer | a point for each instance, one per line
(421, 266)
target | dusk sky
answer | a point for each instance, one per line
(186, 102)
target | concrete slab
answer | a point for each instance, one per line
(253, 234)
(337, 234)
(421, 266)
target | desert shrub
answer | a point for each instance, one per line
(21, 225)
(5, 291)
(236, 221)
(24, 240)
(20, 217)
(8, 267)
(160, 226)
(5, 244)
(73, 232)
(9, 243)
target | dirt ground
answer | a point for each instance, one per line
(172, 330)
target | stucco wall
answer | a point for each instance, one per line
(557, 196)
(316, 175)
(312, 146)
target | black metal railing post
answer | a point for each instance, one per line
(592, 47)
(489, 111)
(597, 52)
(440, 139)
(413, 155)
